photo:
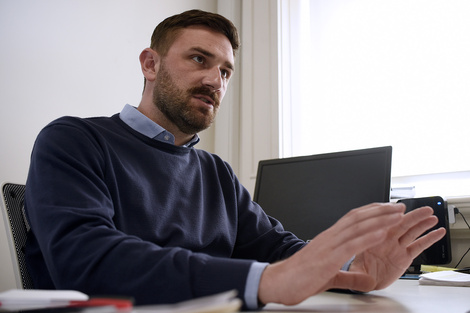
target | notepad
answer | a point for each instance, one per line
(19, 296)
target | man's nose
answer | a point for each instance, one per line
(213, 79)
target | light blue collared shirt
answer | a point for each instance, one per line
(142, 124)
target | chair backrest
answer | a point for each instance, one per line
(17, 227)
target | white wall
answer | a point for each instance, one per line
(70, 57)
(74, 57)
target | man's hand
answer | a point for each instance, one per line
(381, 236)
(387, 262)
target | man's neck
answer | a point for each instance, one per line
(153, 113)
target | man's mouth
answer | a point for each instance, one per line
(206, 96)
(205, 99)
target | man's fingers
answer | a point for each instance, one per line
(424, 242)
(371, 211)
(412, 219)
(363, 225)
(417, 230)
(358, 231)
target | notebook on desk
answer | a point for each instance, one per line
(309, 194)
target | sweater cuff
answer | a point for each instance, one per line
(252, 285)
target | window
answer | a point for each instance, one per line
(364, 73)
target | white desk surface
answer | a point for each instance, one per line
(401, 296)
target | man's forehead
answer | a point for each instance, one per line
(204, 38)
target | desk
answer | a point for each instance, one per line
(401, 296)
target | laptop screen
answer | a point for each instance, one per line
(308, 194)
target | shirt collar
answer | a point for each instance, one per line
(142, 124)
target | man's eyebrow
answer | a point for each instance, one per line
(208, 54)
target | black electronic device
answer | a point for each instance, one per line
(309, 194)
(440, 252)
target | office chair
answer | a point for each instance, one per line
(16, 226)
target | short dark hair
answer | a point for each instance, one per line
(167, 31)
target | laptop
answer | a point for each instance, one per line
(309, 194)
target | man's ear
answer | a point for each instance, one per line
(149, 62)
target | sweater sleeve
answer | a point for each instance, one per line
(71, 213)
(262, 237)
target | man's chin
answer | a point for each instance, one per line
(194, 127)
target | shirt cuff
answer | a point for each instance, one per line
(252, 285)
(347, 265)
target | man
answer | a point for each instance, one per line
(126, 205)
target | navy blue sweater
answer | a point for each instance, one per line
(114, 212)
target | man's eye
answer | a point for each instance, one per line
(198, 59)
(225, 74)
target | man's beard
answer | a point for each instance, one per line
(174, 103)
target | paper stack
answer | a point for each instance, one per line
(445, 278)
(220, 303)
